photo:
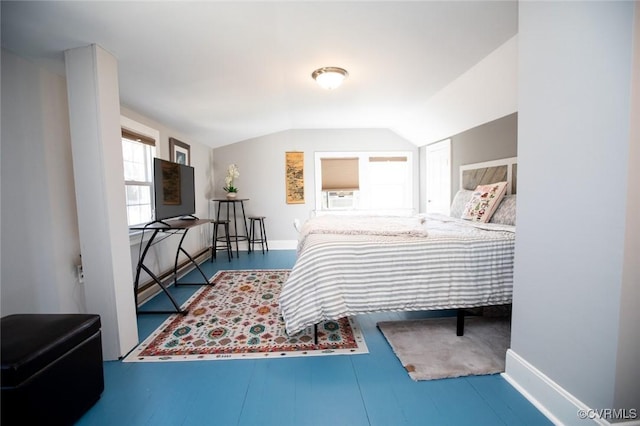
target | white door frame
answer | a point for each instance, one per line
(440, 152)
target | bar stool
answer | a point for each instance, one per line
(252, 233)
(221, 242)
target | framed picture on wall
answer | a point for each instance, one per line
(179, 152)
(294, 177)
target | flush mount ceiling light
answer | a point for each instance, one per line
(329, 77)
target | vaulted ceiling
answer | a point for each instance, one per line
(222, 72)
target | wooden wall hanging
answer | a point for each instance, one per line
(294, 177)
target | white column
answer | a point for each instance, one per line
(94, 114)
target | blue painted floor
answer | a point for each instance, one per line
(371, 389)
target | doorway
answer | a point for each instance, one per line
(438, 176)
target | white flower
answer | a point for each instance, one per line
(232, 173)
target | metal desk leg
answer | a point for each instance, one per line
(140, 266)
(175, 265)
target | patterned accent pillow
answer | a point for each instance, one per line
(484, 201)
(505, 214)
(460, 200)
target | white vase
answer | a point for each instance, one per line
(231, 195)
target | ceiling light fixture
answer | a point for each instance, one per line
(329, 77)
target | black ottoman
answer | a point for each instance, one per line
(51, 367)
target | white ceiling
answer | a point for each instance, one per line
(222, 72)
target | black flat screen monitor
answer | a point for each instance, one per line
(174, 189)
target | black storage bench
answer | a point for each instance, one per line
(51, 367)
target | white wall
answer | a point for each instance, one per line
(39, 224)
(628, 373)
(94, 117)
(39, 221)
(262, 170)
(573, 142)
(486, 92)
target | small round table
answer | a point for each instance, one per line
(231, 206)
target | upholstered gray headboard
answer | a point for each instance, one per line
(472, 175)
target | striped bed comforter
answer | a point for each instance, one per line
(452, 264)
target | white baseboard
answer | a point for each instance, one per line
(283, 244)
(560, 406)
(273, 245)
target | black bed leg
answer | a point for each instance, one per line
(315, 334)
(460, 323)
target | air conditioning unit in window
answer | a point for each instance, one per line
(341, 200)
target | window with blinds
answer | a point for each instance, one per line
(367, 181)
(340, 174)
(138, 151)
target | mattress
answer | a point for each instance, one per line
(442, 263)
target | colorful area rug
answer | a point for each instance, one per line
(239, 318)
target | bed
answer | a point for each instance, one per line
(352, 265)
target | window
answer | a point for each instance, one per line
(138, 151)
(389, 182)
(380, 182)
(341, 174)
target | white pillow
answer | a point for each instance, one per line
(505, 214)
(460, 200)
(484, 201)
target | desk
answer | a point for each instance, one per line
(231, 202)
(175, 226)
